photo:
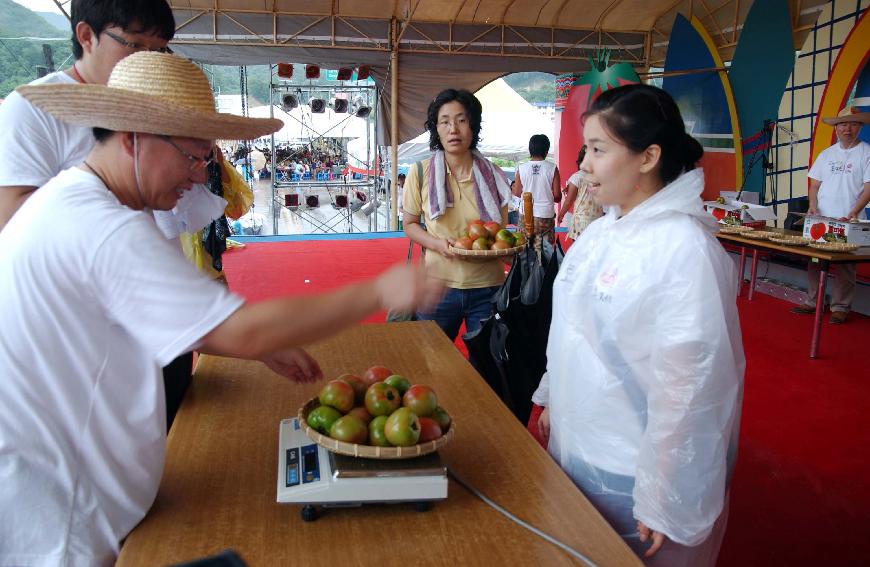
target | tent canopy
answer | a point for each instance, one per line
(508, 123)
(451, 43)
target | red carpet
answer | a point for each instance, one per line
(801, 491)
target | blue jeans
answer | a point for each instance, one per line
(471, 305)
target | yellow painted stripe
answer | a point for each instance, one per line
(729, 96)
(850, 61)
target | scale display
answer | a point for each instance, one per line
(309, 474)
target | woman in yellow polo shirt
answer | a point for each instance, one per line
(456, 185)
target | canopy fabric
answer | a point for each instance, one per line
(454, 43)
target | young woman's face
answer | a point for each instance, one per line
(454, 128)
(612, 170)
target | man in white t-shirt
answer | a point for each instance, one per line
(540, 178)
(35, 146)
(839, 188)
(92, 310)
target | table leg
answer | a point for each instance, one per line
(754, 270)
(820, 307)
(742, 270)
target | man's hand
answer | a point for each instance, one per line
(544, 424)
(658, 538)
(295, 364)
(812, 211)
(408, 288)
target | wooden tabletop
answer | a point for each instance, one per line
(860, 255)
(218, 487)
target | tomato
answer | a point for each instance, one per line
(463, 242)
(817, 231)
(349, 429)
(477, 230)
(338, 394)
(376, 374)
(519, 239)
(382, 399)
(492, 228)
(420, 400)
(402, 428)
(429, 429)
(398, 382)
(377, 435)
(361, 413)
(321, 418)
(500, 245)
(506, 236)
(481, 243)
(442, 418)
(358, 385)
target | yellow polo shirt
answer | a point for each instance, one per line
(456, 272)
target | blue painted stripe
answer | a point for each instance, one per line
(245, 239)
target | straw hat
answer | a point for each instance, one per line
(149, 92)
(848, 114)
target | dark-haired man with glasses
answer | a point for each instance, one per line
(36, 146)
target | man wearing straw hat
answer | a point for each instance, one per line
(839, 188)
(87, 323)
(35, 146)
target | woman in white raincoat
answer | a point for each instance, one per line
(645, 361)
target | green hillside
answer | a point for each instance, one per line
(20, 57)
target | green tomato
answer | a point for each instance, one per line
(321, 418)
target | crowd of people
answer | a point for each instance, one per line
(640, 403)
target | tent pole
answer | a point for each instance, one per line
(394, 132)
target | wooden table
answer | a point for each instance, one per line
(218, 487)
(824, 259)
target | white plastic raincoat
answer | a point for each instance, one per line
(645, 362)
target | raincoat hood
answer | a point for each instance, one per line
(683, 195)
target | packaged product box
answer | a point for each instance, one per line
(829, 229)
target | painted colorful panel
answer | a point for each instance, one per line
(706, 103)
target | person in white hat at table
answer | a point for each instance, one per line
(839, 188)
(95, 301)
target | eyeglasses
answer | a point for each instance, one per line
(196, 163)
(135, 46)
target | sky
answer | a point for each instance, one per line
(42, 5)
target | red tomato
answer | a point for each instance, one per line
(376, 374)
(429, 430)
(492, 228)
(420, 400)
(337, 394)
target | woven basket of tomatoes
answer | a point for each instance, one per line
(487, 240)
(380, 415)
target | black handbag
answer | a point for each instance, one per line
(510, 349)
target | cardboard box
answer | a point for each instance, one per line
(739, 213)
(829, 229)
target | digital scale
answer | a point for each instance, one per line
(311, 475)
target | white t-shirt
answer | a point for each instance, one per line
(843, 174)
(537, 178)
(35, 146)
(95, 301)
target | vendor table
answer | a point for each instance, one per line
(218, 487)
(824, 259)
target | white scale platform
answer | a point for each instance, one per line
(311, 475)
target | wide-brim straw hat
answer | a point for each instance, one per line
(149, 92)
(848, 114)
